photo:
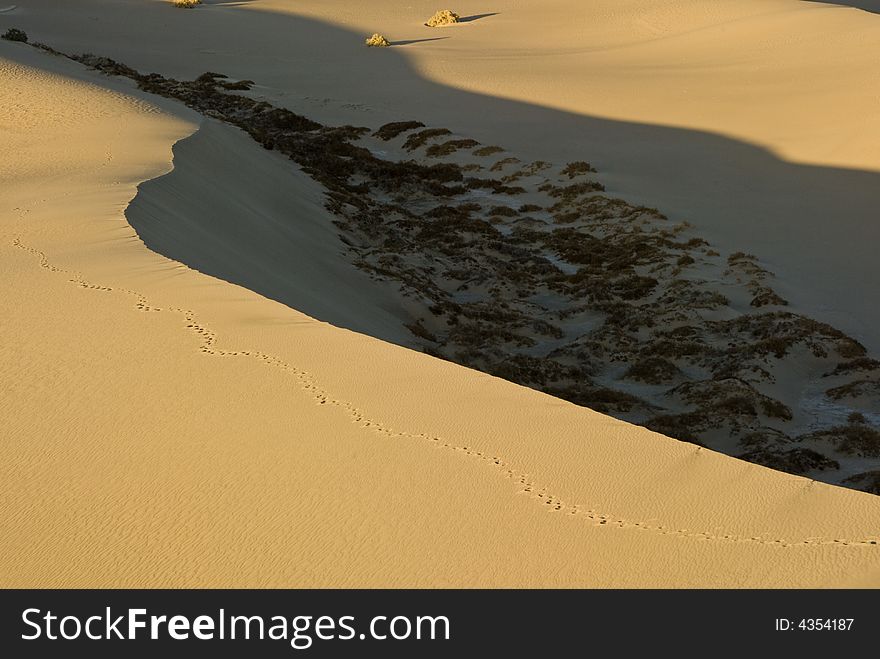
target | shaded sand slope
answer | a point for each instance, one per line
(866, 5)
(163, 428)
(269, 232)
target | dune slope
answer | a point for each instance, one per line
(766, 107)
(163, 428)
(269, 233)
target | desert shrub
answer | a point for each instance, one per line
(860, 364)
(566, 218)
(185, 4)
(547, 329)
(498, 166)
(776, 409)
(239, 85)
(13, 34)
(211, 79)
(849, 348)
(868, 481)
(532, 371)
(442, 18)
(377, 41)
(504, 211)
(395, 128)
(600, 399)
(491, 184)
(856, 417)
(854, 439)
(766, 296)
(420, 331)
(682, 427)
(415, 140)
(737, 406)
(577, 168)
(854, 390)
(633, 287)
(653, 370)
(488, 150)
(762, 438)
(794, 461)
(739, 257)
(484, 334)
(570, 192)
(445, 149)
(857, 439)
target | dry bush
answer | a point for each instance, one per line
(488, 151)
(577, 168)
(185, 4)
(868, 481)
(395, 128)
(443, 18)
(377, 41)
(13, 34)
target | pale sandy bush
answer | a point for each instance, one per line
(443, 17)
(377, 41)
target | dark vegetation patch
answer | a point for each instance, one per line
(653, 370)
(447, 148)
(864, 364)
(504, 162)
(854, 439)
(421, 138)
(395, 128)
(14, 34)
(419, 330)
(487, 151)
(684, 427)
(578, 168)
(601, 399)
(855, 389)
(503, 211)
(794, 461)
(570, 192)
(868, 481)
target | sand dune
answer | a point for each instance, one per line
(763, 106)
(164, 428)
(527, 307)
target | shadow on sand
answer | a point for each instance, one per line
(816, 226)
(872, 6)
(476, 17)
(408, 42)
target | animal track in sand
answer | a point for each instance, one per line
(75, 278)
(526, 484)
